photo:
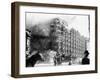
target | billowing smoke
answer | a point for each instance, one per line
(42, 29)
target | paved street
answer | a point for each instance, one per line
(74, 62)
(52, 64)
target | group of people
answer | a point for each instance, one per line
(58, 59)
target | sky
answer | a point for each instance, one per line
(78, 22)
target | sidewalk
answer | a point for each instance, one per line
(50, 64)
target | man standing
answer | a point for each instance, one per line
(86, 60)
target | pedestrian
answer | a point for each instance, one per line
(55, 60)
(86, 60)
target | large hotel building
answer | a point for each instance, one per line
(67, 41)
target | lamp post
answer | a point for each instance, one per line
(70, 57)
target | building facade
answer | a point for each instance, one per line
(67, 42)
